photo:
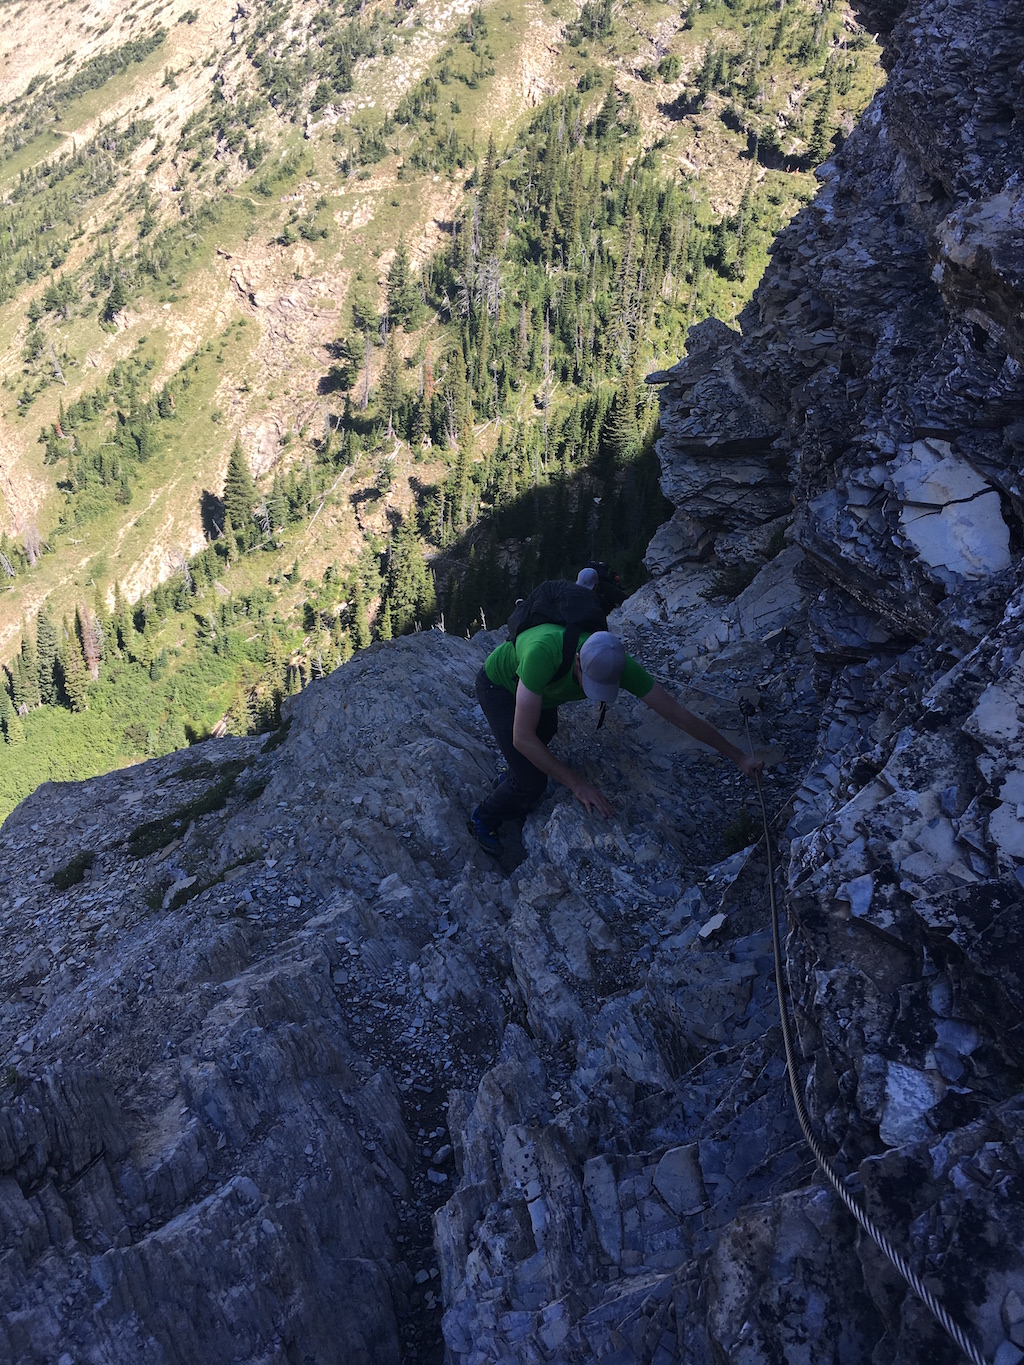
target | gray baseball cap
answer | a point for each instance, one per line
(602, 659)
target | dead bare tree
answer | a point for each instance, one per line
(180, 561)
(364, 402)
(451, 425)
(33, 543)
(91, 633)
(262, 515)
(56, 365)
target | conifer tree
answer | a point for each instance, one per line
(277, 504)
(6, 709)
(523, 339)
(76, 676)
(493, 205)
(276, 661)
(384, 631)
(364, 310)
(743, 216)
(821, 134)
(451, 604)
(10, 721)
(240, 497)
(390, 390)
(465, 249)
(49, 438)
(25, 681)
(403, 294)
(360, 625)
(116, 299)
(458, 412)
(420, 425)
(571, 437)
(229, 541)
(124, 626)
(344, 648)
(48, 647)
(608, 114)
(410, 589)
(706, 74)
(202, 577)
(143, 645)
(458, 493)
(624, 433)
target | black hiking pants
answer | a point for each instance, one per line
(525, 785)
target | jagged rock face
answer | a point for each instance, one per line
(882, 351)
(290, 1007)
(191, 1145)
(720, 433)
(290, 1013)
(886, 339)
(878, 16)
(224, 1037)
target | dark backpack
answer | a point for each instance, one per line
(558, 602)
(609, 585)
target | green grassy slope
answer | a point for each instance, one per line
(416, 261)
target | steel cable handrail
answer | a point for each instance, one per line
(953, 1328)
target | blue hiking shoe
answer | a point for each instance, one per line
(486, 837)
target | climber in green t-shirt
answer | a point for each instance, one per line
(519, 693)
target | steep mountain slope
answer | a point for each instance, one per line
(270, 1009)
(255, 992)
(287, 233)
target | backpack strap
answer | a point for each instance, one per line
(570, 644)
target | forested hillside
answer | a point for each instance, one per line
(325, 324)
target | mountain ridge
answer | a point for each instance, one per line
(283, 1041)
(176, 180)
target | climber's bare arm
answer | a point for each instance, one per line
(527, 742)
(666, 706)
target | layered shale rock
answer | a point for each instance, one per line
(267, 1000)
(885, 339)
(293, 1071)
